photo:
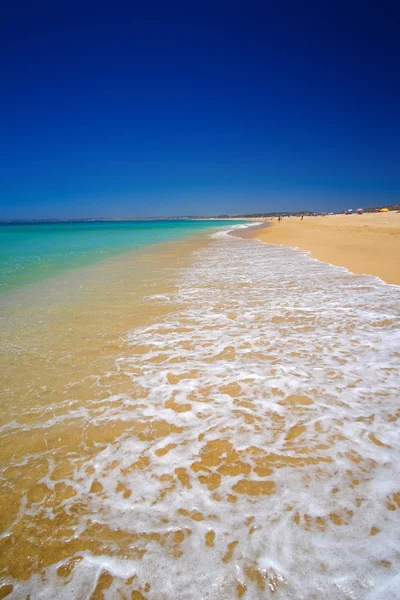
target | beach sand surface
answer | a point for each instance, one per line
(205, 418)
(368, 243)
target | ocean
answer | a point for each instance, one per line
(34, 252)
(205, 417)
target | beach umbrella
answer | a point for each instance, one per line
(360, 210)
(384, 209)
(350, 210)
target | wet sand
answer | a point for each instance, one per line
(367, 244)
(210, 417)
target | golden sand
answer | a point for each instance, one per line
(368, 243)
(187, 426)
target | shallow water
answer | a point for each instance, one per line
(35, 252)
(240, 439)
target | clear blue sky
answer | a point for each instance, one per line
(165, 108)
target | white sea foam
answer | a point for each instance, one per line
(291, 366)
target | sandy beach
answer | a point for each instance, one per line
(368, 244)
(210, 417)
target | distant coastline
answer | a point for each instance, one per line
(236, 217)
(118, 220)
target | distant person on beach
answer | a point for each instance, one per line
(302, 217)
(279, 218)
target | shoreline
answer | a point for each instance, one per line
(368, 244)
(250, 231)
(186, 384)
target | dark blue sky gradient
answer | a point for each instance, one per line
(164, 108)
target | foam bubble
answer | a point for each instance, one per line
(255, 451)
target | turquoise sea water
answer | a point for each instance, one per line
(33, 252)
